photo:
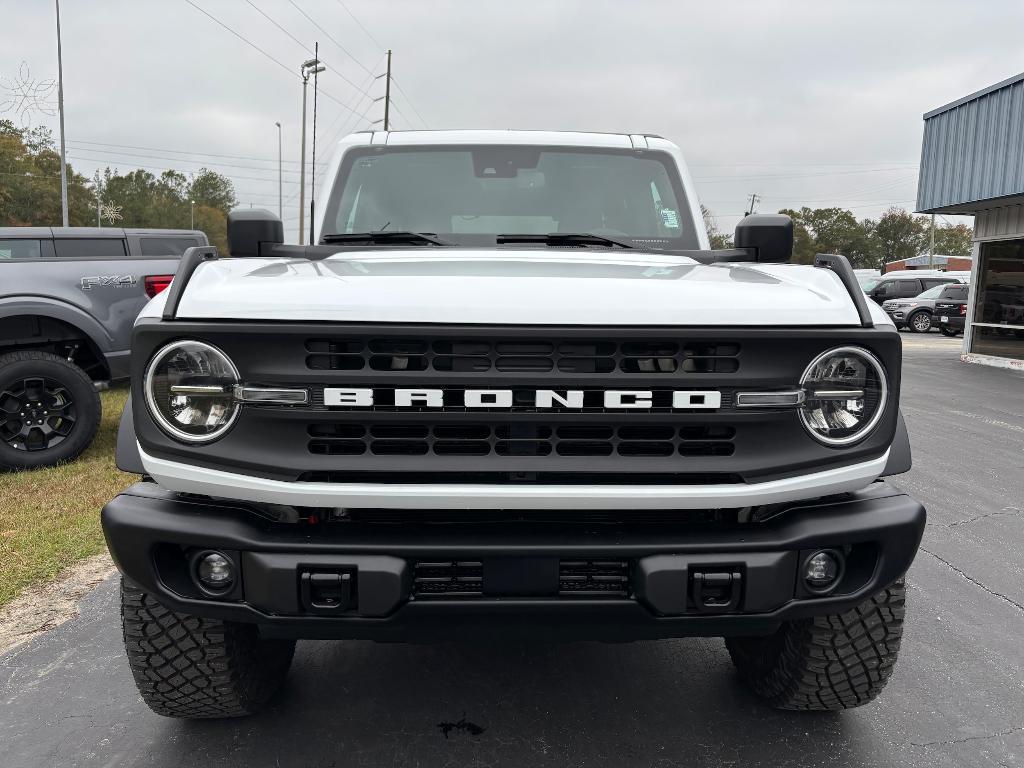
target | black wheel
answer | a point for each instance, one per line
(828, 662)
(920, 322)
(951, 332)
(49, 410)
(190, 667)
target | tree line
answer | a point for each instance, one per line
(30, 191)
(868, 243)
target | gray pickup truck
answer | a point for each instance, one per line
(68, 300)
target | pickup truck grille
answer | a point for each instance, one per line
(464, 579)
(486, 439)
(552, 356)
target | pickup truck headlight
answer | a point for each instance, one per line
(845, 394)
(189, 387)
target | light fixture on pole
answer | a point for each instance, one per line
(280, 203)
(309, 67)
(192, 203)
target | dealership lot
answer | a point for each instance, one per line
(956, 699)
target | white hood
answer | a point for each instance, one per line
(433, 285)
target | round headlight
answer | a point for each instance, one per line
(190, 391)
(844, 395)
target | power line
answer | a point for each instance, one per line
(280, 64)
(183, 152)
(360, 24)
(245, 40)
(174, 159)
(106, 161)
(409, 103)
(300, 43)
(329, 36)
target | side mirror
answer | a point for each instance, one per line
(249, 228)
(770, 235)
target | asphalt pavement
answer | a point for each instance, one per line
(956, 698)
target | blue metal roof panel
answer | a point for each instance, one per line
(973, 149)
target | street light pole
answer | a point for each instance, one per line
(280, 204)
(309, 67)
(60, 107)
(192, 203)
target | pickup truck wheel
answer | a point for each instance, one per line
(49, 410)
(831, 662)
(190, 667)
(920, 322)
(951, 332)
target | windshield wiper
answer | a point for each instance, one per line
(564, 238)
(383, 237)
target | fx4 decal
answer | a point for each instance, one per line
(102, 281)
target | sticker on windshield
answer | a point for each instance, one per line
(670, 218)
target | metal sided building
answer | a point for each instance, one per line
(972, 162)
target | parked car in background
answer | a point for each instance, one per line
(68, 300)
(903, 285)
(917, 313)
(951, 315)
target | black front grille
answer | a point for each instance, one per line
(541, 356)
(464, 579)
(593, 578)
(452, 578)
(387, 475)
(521, 439)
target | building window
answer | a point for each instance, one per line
(998, 323)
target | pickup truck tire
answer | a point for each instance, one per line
(951, 332)
(190, 667)
(830, 662)
(58, 396)
(920, 322)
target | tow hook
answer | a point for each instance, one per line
(716, 591)
(328, 592)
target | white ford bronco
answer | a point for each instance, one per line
(511, 390)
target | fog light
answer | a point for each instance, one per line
(215, 571)
(822, 570)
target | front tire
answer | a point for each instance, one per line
(190, 667)
(49, 410)
(829, 663)
(920, 322)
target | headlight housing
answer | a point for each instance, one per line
(189, 387)
(845, 395)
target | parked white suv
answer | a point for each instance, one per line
(511, 390)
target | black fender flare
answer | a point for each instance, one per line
(126, 454)
(900, 460)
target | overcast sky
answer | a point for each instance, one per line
(815, 103)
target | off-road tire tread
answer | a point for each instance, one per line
(191, 667)
(830, 662)
(89, 416)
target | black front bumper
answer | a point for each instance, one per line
(668, 589)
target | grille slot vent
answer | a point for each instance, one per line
(463, 579)
(522, 356)
(453, 579)
(520, 440)
(593, 578)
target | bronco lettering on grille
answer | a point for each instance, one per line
(625, 399)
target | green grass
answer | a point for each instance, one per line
(49, 518)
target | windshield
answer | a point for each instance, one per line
(868, 284)
(931, 293)
(470, 195)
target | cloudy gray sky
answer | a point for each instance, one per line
(815, 103)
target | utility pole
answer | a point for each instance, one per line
(387, 95)
(280, 196)
(60, 107)
(931, 244)
(309, 67)
(754, 198)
